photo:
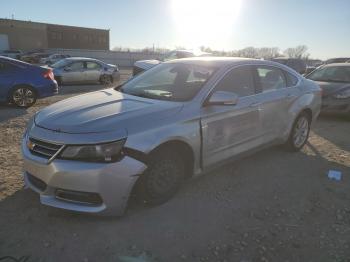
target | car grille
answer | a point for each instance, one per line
(43, 148)
(38, 183)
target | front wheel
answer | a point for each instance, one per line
(23, 96)
(106, 80)
(163, 177)
(300, 132)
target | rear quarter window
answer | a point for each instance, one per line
(291, 79)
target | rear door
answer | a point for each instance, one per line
(93, 71)
(228, 130)
(74, 72)
(276, 93)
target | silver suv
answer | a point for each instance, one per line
(177, 120)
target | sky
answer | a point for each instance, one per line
(322, 25)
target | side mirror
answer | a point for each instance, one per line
(223, 98)
(67, 68)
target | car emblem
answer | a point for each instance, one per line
(30, 145)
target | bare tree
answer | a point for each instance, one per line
(297, 52)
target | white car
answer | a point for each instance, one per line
(15, 54)
(52, 59)
(144, 65)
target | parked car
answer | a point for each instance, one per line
(309, 69)
(34, 58)
(77, 70)
(54, 58)
(22, 84)
(143, 65)
(178, 119)
(298, 65)
(16, 54)
(337, 60)
(334, 79)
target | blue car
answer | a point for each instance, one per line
(22, 84)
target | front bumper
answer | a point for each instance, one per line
(335, 105)
(111, 182)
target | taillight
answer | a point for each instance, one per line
(49, 74)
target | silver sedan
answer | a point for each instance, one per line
(79, 70)
(176, 120)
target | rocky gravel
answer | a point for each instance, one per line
(271, 206)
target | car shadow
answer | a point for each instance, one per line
(327, 122)
(8, 111)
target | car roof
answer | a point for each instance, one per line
(222, 61)
(82, 59)
(337, 65)
(13, 61)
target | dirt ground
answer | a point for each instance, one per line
(271, 206)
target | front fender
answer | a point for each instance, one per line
(188, 132)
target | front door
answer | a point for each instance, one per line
(228, 130)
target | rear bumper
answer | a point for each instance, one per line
(80, 186)
(49, 90)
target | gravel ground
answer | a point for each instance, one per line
(271, 206)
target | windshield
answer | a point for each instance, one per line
(331, 74)
(60, 63)
(172, 82)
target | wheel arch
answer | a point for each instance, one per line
(184, 149)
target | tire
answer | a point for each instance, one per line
(58, 80)
(162, 179)
(299, 133)
(23, 96)
(106, 80)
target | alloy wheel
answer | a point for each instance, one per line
(23, 97)
(301, 131)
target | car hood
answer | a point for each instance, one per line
(330, 88)
(103, 111)
(147, 64)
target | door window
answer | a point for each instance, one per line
(93, 66)
(239, 81)
(291, 79)
(76, 66)
(270, 78)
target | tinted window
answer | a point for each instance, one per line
(92, 66)
(291, 79)
(331, 74)
(76, 66)
(173, 82)
(239, 81)
(270, 78)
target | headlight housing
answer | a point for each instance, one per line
(343, 94)
(101, 153)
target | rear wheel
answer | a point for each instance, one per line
(23, 96)
(106, 80)
(300, 132)
(163, 177)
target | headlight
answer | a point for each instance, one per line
(108, 152)
(343, 94)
